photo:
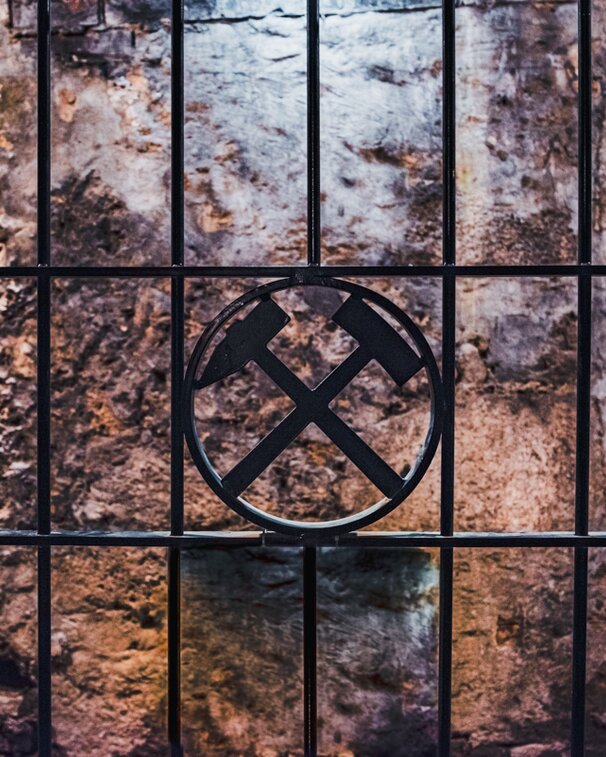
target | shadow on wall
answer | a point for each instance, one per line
(243, 657)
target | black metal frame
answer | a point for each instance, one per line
(446, 540)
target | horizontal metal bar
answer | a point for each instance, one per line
(367, 539)
(178, 271)
(131, 538)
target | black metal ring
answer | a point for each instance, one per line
(357, 520)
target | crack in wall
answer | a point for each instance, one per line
(278, 14)
(102, 26)
(101, 12)
(379, 11)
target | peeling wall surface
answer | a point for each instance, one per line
(245, 184)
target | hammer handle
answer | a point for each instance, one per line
(313, 407)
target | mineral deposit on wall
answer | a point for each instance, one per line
(245, 203)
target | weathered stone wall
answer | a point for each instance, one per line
(245, 203)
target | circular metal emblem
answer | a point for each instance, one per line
(242, 334)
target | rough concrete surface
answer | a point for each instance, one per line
(245, 203)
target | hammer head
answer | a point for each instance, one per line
(243, 341)
(375, 335)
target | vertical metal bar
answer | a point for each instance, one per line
(44, 556)
(579, 647)
(177, 358)
(310, 652)
(585, 151)
(314, 258)
(449, 215)
(177, 134)
(44, 401)
(579, 634)
(446, 525)
(174, 651)
(445, 652)
(43, 378)
(44, 132)
(177, 259)
(44, 653)
(448, 371)
(314, 204)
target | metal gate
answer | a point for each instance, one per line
(446, 540)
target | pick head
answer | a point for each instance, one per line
(243, 342)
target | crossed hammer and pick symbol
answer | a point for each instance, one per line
(247, 340)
